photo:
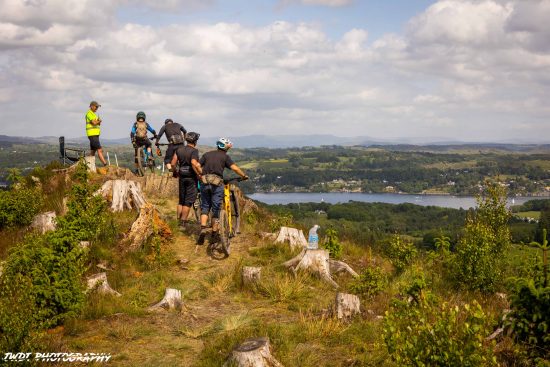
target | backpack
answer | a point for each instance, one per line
(141, 129)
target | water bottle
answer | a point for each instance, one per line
(313, 240)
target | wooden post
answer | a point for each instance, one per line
(171, 301)
(347, 305)
(254, 352)
(251, 275)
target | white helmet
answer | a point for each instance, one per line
(224, 144)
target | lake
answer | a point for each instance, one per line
(446, 201)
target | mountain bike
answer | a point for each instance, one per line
(229, 221)
(145, 160)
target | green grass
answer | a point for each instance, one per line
(531, 214)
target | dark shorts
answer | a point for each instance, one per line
(94, 142)
(188, 191)
(211, 198)
(142, 142)
(170, 152)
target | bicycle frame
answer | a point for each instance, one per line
(227, 204)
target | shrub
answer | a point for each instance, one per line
(423, 332)
(19, 206)
(400, 252)
(54, 263)
(370, 282)
(18, 316)
(332, 244)
(530, 305)
(478, 261)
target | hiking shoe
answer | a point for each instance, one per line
(202, 236)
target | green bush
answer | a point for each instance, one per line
(332, 244)
(530, 317)
(530, 306)
(19, 206)
(478, 262)
(371, 281)
(18, 316)
(423, 332)
(54, 262)
(400, 252)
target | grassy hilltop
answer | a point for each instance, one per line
(436, 304)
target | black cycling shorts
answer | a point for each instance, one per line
(94, 142)
(188, 191)
(170, 152)
(141, 142)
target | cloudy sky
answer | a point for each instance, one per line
(455, 69)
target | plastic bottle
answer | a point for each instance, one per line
(313, 239)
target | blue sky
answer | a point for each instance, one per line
(470, 70)
(378, 16)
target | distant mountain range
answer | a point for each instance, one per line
(291, 141)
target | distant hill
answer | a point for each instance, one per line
(316, 140)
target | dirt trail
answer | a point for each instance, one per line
(172, 338)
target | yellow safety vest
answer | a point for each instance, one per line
(91, 130)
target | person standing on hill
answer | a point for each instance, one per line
(93, 130)
(213, 164)
(175, 134)
(189, 171)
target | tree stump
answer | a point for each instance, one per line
(171, 301)
(148, 223)
(99, 283)
(340, 266)
(346, 306)
(84, 244)
(293, 236)
(123, 194)
(90, 163)
(254, 352)
(44, 222)
(315, 261)
(251, 275)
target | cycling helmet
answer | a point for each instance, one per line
(140, 115)
(192, 137)
(167, 121)
(224, 144)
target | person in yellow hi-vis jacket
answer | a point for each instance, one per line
(93, 130)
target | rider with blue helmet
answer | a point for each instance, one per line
(213, 164)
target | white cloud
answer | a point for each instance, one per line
(461, 67)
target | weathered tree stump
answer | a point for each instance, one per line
(99, 283)
(148, 223)
(90, 163)
(253, 353)
(251, 275)
(44, 222)
(171, 301)
(315, 261)
(123, 194)
(340, 266)
(346, 306)
(293, 236)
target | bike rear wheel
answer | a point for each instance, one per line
(220, 250)
(141, 171)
